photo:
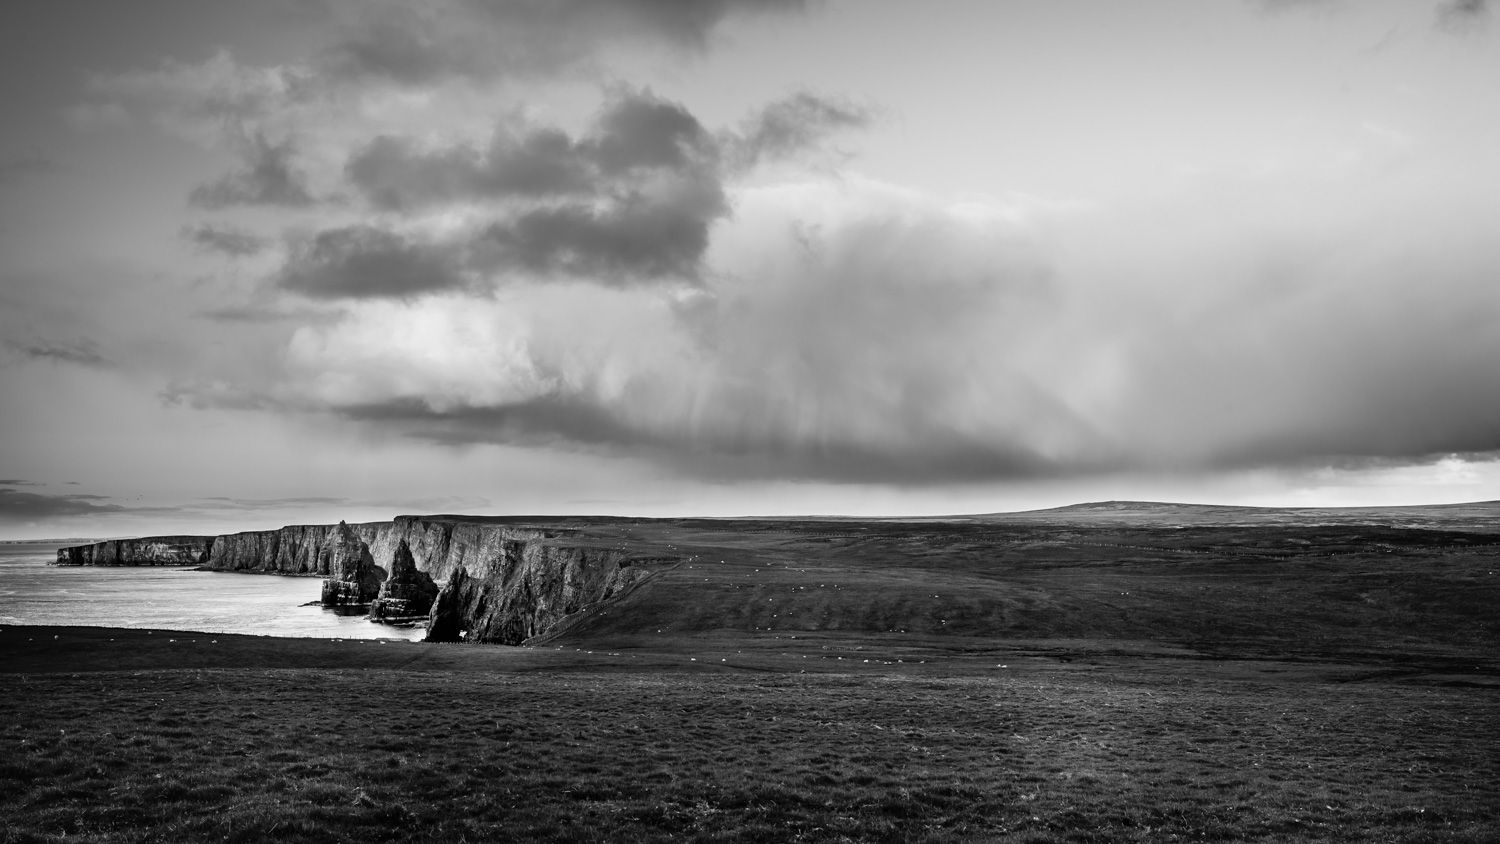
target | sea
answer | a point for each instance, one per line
(34, 591)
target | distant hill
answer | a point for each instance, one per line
(1481, 516)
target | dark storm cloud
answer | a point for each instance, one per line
(796, 124)
(1458, 15)
(17, 482)
(268, 177)
(363, 262)
(571, 421)
(638, 237)
(639, 130)
(546, 420)
(79, 352)
(236, 243)
(636, 131)
(15, 505)
(633, 199)
(425, 43)
(393, 174)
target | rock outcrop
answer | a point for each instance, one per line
(149, 551)
(353, 579)
(533, 588)
(502, 580)
(407, 593)
(438, 545)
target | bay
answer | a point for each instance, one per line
(32, 591)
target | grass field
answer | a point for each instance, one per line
(454, 743)
(817, 682)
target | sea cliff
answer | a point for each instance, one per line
(499, 582)
(146, 551)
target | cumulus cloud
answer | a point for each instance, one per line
(228, 240)
(393, 174)
(632, 199)
(629, 284)
(847, 329)
(635, 132)
(836, 338)
(362, 262)
(655, 232)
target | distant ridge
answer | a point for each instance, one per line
(1151, 506)
(1481, 515)
(1178, 507)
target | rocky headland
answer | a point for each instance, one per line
(494, 581)
(147, 551)
(1395, 580)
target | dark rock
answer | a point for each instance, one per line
(353, 577)
(446, 623)
(407, 593)
(147, 551)
(504, 582)
(536, 587)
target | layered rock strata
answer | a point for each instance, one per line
(407, 593)
(531, 589)
(149, 551)
(500, 581)
(438, 546)
(353, 579)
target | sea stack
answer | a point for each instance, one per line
(353, 578)
(448, 621)
(407, 593)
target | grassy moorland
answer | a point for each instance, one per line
(1070, 677)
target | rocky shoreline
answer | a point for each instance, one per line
(470, 581)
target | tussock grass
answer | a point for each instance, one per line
(379, 755)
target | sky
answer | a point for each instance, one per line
(308, 260)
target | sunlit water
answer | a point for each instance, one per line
(166, 598)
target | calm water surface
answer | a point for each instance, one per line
(165, 598)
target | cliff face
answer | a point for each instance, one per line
(530, 589)
(437, 547)
(149, 551)
(353, 579)
(407, 593)
(503, 583)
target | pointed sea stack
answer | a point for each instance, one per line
(407, 593)
(353, 578)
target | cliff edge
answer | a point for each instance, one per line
(480, 581)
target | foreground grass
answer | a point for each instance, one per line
(385, 755)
